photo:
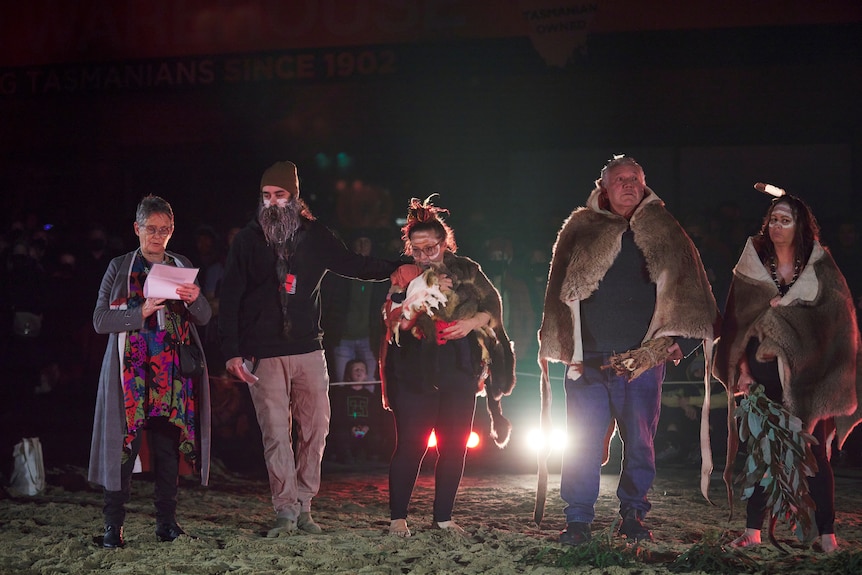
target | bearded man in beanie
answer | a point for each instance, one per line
(270, 331)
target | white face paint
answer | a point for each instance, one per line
(281, 202)
(782, 217)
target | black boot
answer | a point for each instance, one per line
(113, 537)
(576, 533)
(632, 527)
(168, 531)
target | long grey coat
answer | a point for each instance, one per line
(109, 422)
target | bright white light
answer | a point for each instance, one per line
(537, 441)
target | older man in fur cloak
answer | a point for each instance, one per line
(625, 281)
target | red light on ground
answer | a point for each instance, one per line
(472, 441)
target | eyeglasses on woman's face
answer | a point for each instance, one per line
(431, 251)
(162, 232)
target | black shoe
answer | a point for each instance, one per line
(168, 531)
(113, 537)
(633, 528)
(576, 533)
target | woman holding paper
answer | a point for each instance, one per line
(142, 386)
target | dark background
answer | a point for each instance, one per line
(718, 100)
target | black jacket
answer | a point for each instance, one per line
(335, 305)
(250, 317)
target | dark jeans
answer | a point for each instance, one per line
(821, 487)
(592, 402)
(163, 439)
(449, 413)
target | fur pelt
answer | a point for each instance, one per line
(588, 244)
(471, 293)
(813, 333)
(586, 247)
(423, 294)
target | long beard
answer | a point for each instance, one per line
(280, 225)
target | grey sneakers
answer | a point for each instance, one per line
(288, 525)
(307, 524)
(282, 525)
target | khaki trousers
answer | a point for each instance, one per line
(292, 389)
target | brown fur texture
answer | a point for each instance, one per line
(471, 293)
(462, 302)
(586, 247)
(813, 332)
(817, 340)
(634, 362)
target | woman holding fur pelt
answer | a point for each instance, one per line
(445, 343)
(790, 326)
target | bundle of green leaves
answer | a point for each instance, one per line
(779, 459)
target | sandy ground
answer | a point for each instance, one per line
(59, 530)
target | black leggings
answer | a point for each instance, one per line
(821, 487)
(450, 414)
(163, 438)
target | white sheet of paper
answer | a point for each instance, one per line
(163, 280)
(247, 375)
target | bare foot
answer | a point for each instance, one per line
(398, 528)
(449, 526)
(749, 538)
(829, 543)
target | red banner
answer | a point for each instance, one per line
(40, 32)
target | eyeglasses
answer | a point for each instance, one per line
(429, 251)
(163, 232)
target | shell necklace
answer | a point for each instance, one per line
(783, 288)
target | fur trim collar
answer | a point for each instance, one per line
(806, 286)
(594, 201)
